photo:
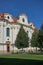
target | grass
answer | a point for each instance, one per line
(23, 56)
(20, 59)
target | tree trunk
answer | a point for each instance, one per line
(36, 49)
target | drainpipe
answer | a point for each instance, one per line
(12, 39)
(3, 37)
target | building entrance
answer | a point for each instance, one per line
(8, 46)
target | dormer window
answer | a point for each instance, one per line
(23, 20)
(8, 17)
(27, 31)
(18, 18)
(31, 25)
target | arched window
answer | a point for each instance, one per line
(7, 32)
(23, 20)
(8, 17)
(27, 31)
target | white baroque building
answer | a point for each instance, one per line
(9, 28)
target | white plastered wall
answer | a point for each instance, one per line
(29, 32)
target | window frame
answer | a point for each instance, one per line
(7, 32)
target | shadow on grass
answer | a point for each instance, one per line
(13, 61)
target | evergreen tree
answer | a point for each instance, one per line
(34, 40)
(40, 37)
(22, 39)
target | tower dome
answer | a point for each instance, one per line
(8, 17)
(22, 18)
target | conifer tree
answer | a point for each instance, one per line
(34, 40)
(22, 39)
(40, 37)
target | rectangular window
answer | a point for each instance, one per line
(7, 32)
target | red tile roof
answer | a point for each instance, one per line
(15, 19)
(36, 29)
(1, 16)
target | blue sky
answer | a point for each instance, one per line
(32, 8)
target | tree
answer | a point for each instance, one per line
(34, 40)
(22, 39)
(40, 37)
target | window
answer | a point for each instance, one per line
(27, 31)
(18, 18)
(7, 32)
(23, 20)
(31, 25)
(8, 17)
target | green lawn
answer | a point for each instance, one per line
(23, 56)
(21, 59)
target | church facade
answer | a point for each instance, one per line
(9, 28)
